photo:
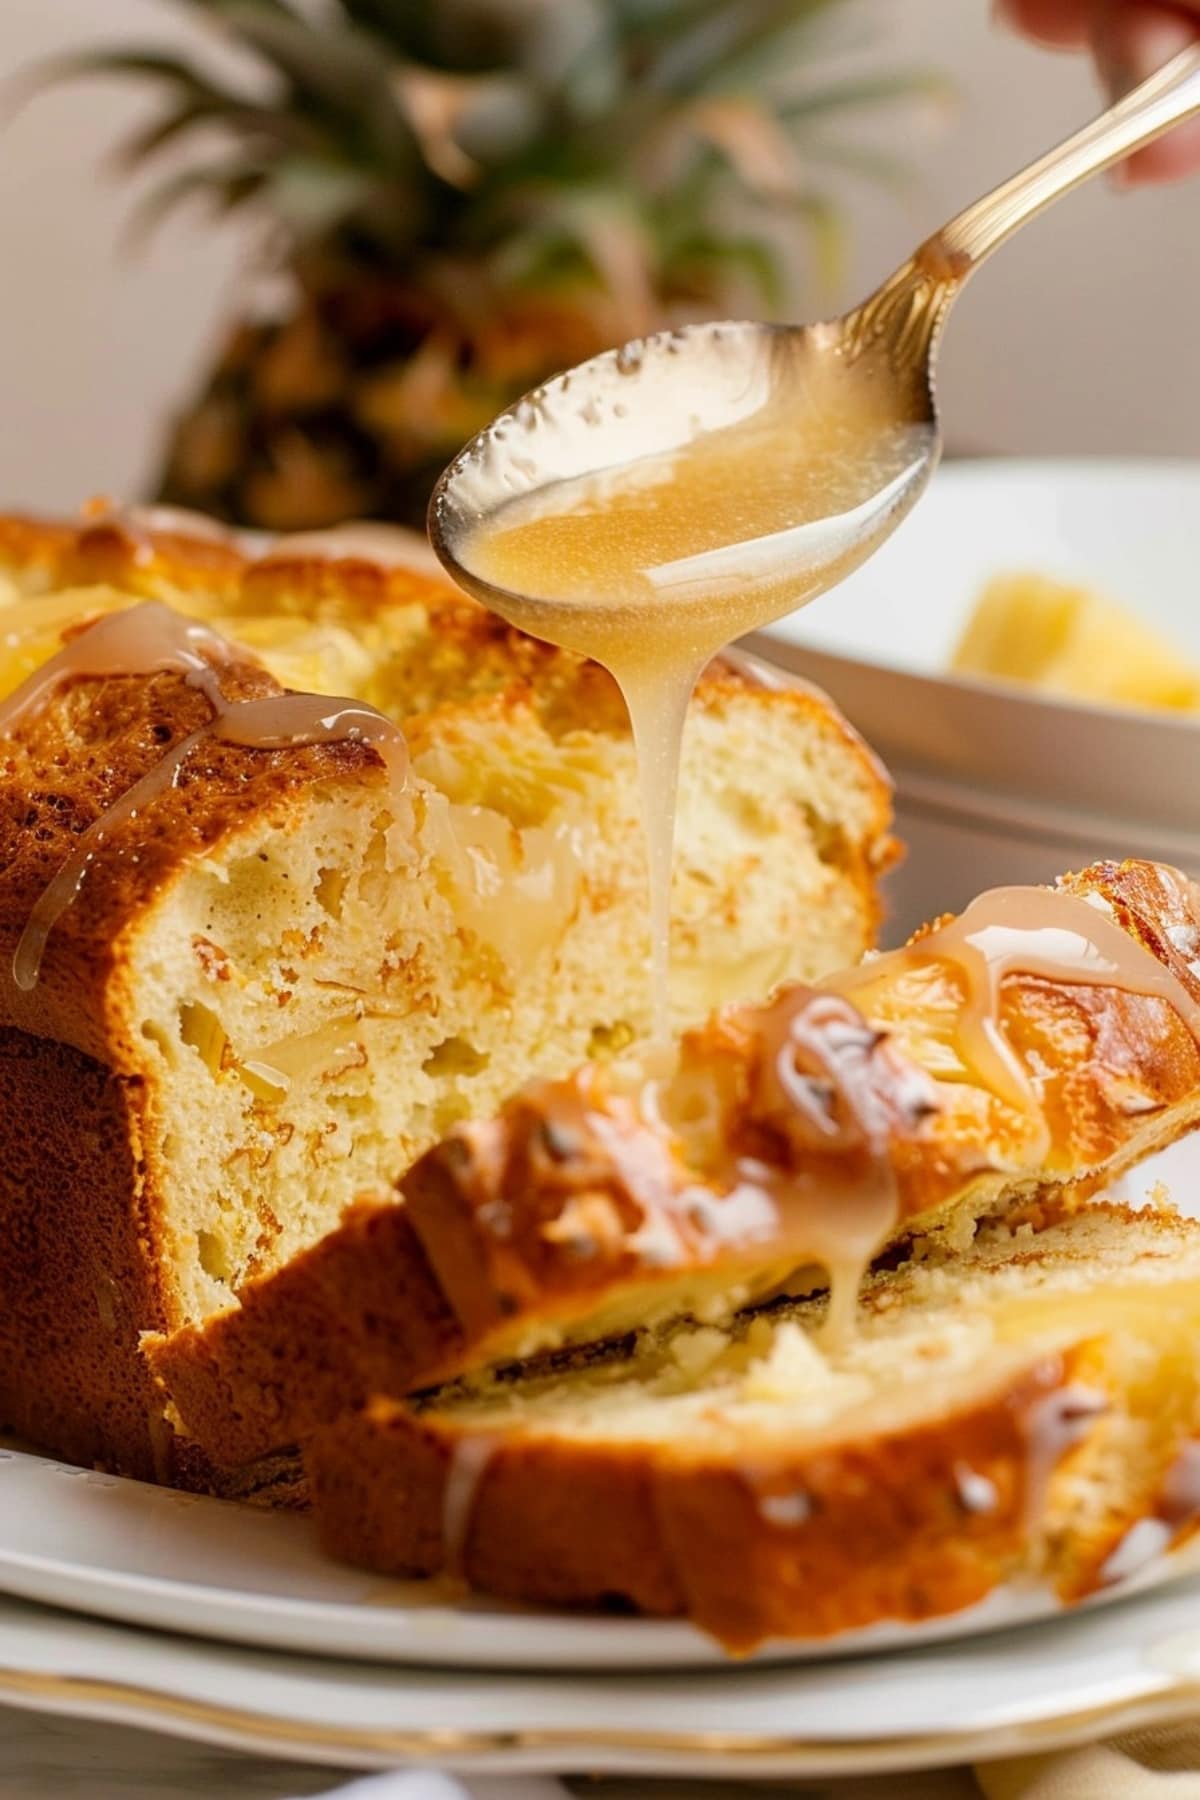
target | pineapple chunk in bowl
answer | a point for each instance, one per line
(1071, 641)
(1025, 655)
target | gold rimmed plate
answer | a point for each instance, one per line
(1033, 1688)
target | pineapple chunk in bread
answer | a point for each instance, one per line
(1025, 1408)
(284, 976)
(592, 1204)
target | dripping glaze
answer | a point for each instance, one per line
(652, 566)
(827, 1086)
(829, 1095)
(150, 639)
(470, 1460)
(798, 1149)
(794, 1153)
(1029, 931)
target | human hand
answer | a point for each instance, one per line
(1128, 40)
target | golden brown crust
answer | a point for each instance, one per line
(118, 730)
(827, 1538)
(570, 1198)
(328, 1329)
(77, 1282)
(1024, 1410)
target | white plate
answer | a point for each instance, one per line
(996, 782)
(118, 1549)
(152, 1557)
(1061, 1682)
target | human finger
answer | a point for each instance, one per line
(1129, 42)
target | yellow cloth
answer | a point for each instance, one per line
(1158, 1764)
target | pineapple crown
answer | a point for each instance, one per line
(646, 158)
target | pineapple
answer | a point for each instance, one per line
(1068, 640)
(467, 195)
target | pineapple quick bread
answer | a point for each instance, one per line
(244, 983)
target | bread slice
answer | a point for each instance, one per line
(594, 1204)
(1026, 1409)
(282, 979)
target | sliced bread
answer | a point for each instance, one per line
(1025, 1410)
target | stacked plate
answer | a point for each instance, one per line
(235, 1631)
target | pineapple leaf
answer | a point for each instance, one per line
(390, 19)
(174, 71)
(638, 156)
(768, 48)
(701, 264)
(826, 236)
(312, 195)
(731, 47)
(279, 8)
(338, 76)
(499, 121)
(598, 227)
(226, 184)
(869, 91)
(261, 123)
(880, 167)
(750, 138)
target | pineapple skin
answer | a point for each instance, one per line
(351, 406)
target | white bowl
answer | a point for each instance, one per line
(996, 783)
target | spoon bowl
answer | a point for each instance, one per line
(849, 441)
(722, 394)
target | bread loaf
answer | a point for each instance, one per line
(274, 972)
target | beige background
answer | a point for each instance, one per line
(1084, 335)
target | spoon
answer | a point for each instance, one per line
(652, 504)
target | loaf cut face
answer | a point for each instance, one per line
(285, 976)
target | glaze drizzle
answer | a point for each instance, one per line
(1025, 931)
(151, 639)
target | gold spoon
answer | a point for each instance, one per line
(660, 393)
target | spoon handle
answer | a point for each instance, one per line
(1166, 99)
(902, 320)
